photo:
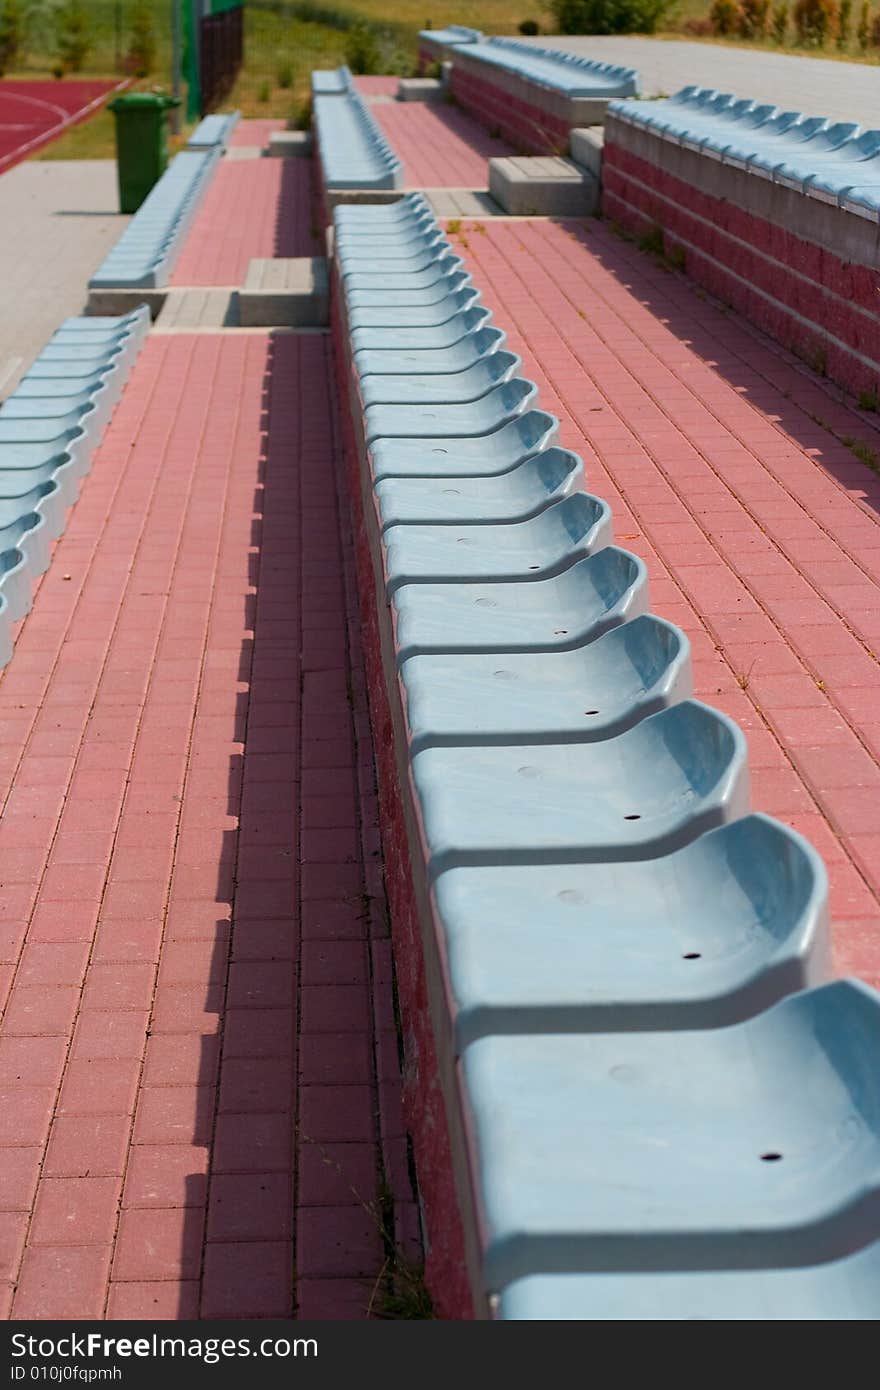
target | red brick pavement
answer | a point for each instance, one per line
(439, 145)
(198, 1066)
(253, 207)
(726, 466)
(254, 133)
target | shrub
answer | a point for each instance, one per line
(875, 31)
(700, 28)
(844, 23)
(529, 27)
(141, 57)
(863, 33)
(263, 92)
(724, 17)
(72, 37)
(779, 22)
(753, 16)
(362, 52)
(285, 76)
(815, 21)
(11, 33)
(607, 16)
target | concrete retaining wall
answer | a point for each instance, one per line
(805, 271)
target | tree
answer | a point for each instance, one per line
(72, 37)
(141, 56)
(11, 34)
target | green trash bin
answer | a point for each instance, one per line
(141, 143)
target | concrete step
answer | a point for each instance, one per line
(285, 291)
(543, 186)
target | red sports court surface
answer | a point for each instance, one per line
(33, 113)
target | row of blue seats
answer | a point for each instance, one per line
(353, 151)
(146, 253)
(213, 132)
(565, 73)
(666, 1113)
(49, 427)
(836, 162)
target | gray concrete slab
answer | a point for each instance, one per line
(461, 202)
(586, 148)
(291, 291)
(58, 220)
(200, 307)
(543, 186)
(419, 89)
(286, 144)
(818, 86)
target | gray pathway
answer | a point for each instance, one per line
(57, 222)
(818, 86)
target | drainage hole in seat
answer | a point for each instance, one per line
(560, 631)
(591, 711)
(692, 955)
(632, 818)
(770, 1158)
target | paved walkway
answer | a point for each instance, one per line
(254, 133)
(58, 220)
(760, 528)
(818, 86)
(440, 146)
(253, 207)
(198, 1039)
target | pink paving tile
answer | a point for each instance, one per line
(440, 146)
(253, 208)
(142, 1083)
(69, 1282)
(159, 1243)
(75, 1211)
(334, 1300)
(248, 1280)
(161, 1300)
(254, 132)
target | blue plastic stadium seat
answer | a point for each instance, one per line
(515, 496)
(608, 932)
(804, 153)
(542, 616)
(844, 1290)
(472, 348)
(430, 338)
(354, 153)
(604, 947)
(331, 82)
(214, 131)
(560, 72)
(147, 251)
(750, 1147)
(48, 429)
(545, 545)
(520, 436)
(582, 695)
(442, 388)
(647, 791)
